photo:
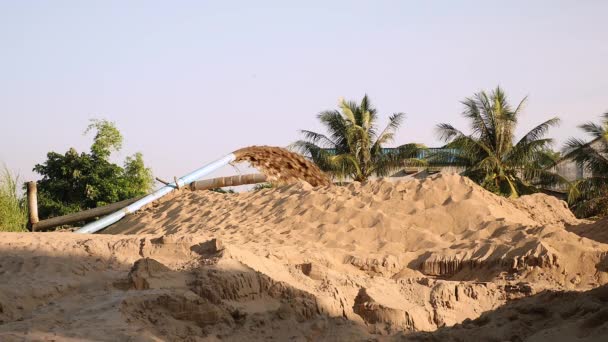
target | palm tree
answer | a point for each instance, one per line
(589, 196)
(353, 148)
(490, 154)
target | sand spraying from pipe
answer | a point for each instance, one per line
(282, 166)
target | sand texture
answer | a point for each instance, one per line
(438, 259)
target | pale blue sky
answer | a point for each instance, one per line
(188, 81)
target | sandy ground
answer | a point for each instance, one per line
(438, 259)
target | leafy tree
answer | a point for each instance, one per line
(354, 146)
(107, 139)
(589, 197)
(138, 178)
(491, 155)
(73, 182)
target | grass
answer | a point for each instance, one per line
(13, 212)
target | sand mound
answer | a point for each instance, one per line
(313, 263)
(548, 316)
(441, 226)
(597, 231)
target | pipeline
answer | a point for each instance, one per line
(183, 181)
(221, 182)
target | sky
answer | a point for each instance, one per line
(187, 82)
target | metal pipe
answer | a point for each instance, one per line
(82, 215)
(185, 180)
(221, 182)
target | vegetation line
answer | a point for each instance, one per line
(13, 212)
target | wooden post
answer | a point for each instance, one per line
(32, 204)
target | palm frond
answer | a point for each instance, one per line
(589, 197)
(394, 121)
(336, 126)
(349, 110)
(586, 156)
(527, 152)
(478, 117)
(539, 131)
(520, 106)
(317, 138)
(447, 132)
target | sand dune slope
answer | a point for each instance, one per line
(441, 226)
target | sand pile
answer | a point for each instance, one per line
(597, 231)
(548, 316)
(441, 226)
(375, 260)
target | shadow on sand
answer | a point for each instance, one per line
(113, 289)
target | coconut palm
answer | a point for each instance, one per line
(353, 147)
(490, 153)
(589, 196)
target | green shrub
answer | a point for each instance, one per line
(73, 181)
(13, 213)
